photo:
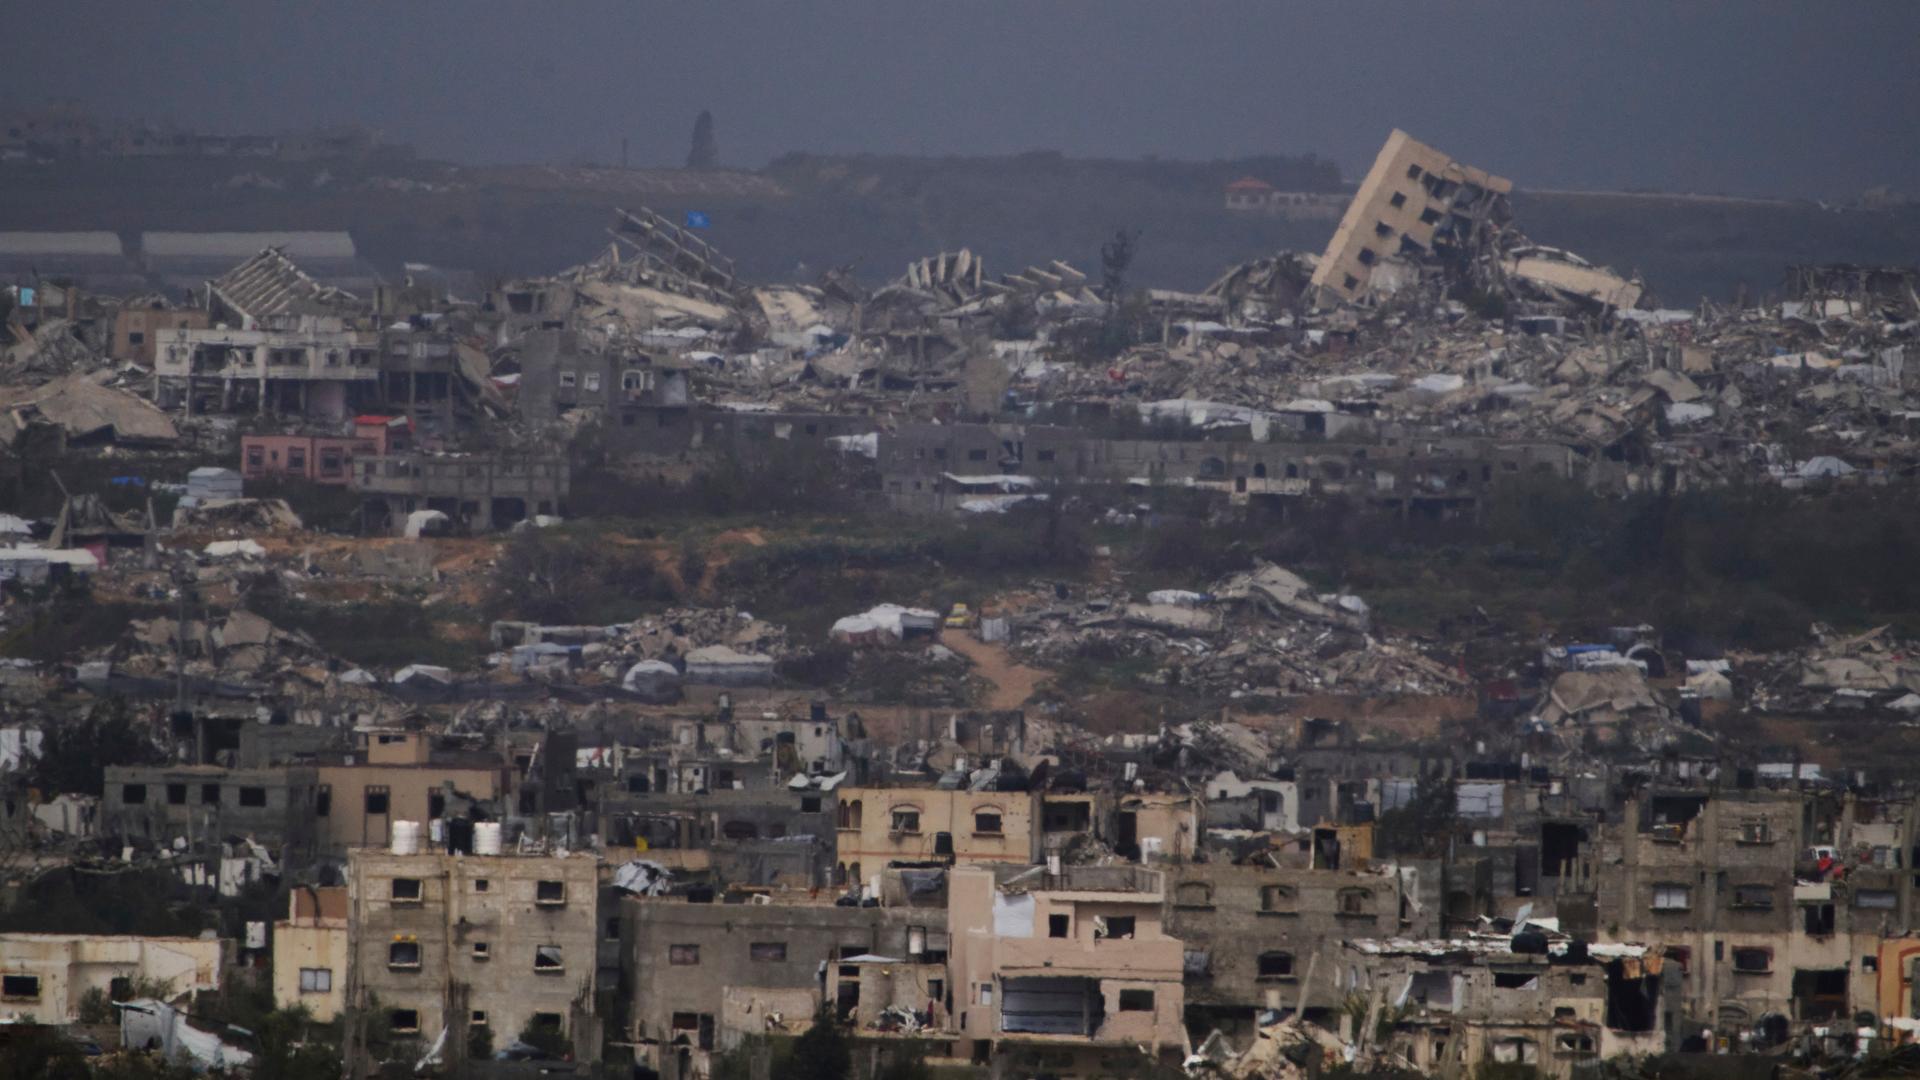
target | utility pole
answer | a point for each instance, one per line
(182, 575)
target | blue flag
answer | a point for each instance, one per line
(697, 219)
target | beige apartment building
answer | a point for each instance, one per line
(44, 976)
(878, 827)
(1065, 969)
(457, 942)
(397, 776)
(1415, 199)
(310, 952)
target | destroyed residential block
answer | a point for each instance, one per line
(1415, 201)
(270, 284)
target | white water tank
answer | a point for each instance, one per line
(486, 838)
(406, 838)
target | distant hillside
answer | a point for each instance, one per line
(805, 212)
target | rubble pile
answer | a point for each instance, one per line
(1260, 633)
(651, 657)
(1874, 670)
(232, 654)
(679, 631)
(1281, 1049)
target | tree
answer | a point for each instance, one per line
(546, 1037)
(294, 1047)
(74, 754)
(705, 152)
(1116, 260)
(1420, 827)
(907, 1061)
(34, 1050)
(141, 1065)
(823, 1053)
(479, 1043)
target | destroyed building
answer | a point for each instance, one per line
(769, 965)
(1253, 820)
(482, 491)
(1529, 1001)
(1414, 202)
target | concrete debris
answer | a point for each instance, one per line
(253, 516)
(1230, 769)
(1261, 633)
(1289, 1049)
(85, 411)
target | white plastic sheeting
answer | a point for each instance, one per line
(426, 522)
(867, 445)
(642, 878)
(1013, 915)
(229, 549)
(149, 1022)
(889, 620)
(1479, 800)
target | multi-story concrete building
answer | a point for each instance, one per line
(395, 775)
(1068, 970)
(310, 952)
(1253, 932)
(1731, 886)
(560, 371)
(483, 491)
(882, 827)
(456, 942)
(772, 836)
(1414, 200)
(322, 459)
(1458, 1006)
(137, 329)
(310, 365)
(207, 803)
(704, 975)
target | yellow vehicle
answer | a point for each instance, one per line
(960, 618)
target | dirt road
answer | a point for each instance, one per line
(1013, 682)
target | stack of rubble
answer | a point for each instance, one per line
(235, 653)
(1871, 670)
(1259, 633)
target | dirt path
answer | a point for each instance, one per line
(1013, 682)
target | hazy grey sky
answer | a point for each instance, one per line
(1751, 96)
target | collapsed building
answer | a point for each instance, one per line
(1413, 203)
(642, 841)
